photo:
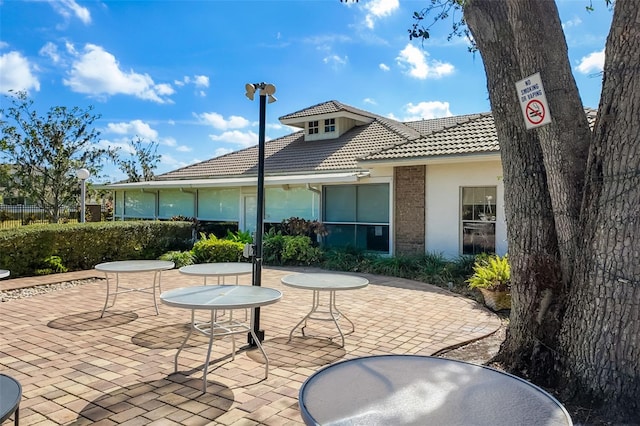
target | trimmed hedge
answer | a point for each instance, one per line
(28, 249)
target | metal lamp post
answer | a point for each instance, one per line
(83, 175)
(265, 91)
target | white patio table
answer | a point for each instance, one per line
(423, 390)
(218, 269)
(329, 282)
(132, 267)
(222, 297)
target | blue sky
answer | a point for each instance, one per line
(174, 71)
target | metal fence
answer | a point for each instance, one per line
(13, 216)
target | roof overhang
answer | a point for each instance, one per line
(312, 178)
(440, 159)
(300, 122)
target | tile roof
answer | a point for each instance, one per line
(327, 108)
(469, 134)
(292, 154)
(379, 140)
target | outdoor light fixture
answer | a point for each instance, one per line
(83, 175)
(265, 91)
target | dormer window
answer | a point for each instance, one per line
(313, 127)
(330, 125)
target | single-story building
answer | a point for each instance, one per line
(375, 183)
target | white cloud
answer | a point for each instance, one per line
(69, 8)
(377, 9)
(419, 67)
(328, 39)
(370, 101)
(133, 128)
(15, 73)
(183, 148)
(96, 72)
(170, 163)
(576, 21)
(201, 81)
(244, 139)
(50, 50)
(276, 126)
(336, 61)
(218, 121)
(170, 142)
(123, 144)
(70, 48)
(3, 44)
(426, 110)
(593, 62)
(384, 67)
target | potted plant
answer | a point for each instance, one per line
(492, 276)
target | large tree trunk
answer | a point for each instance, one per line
(601, 332)
(576, 271)
(533, 249)
(541, 47)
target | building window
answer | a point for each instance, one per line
(313, 127)
(357, 216)
(330, 125)
(478, 213)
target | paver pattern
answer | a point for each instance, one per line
(79, 369)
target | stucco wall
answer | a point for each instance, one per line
(443, 183)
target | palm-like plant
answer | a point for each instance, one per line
(492, 273)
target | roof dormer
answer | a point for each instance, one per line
(328, 120)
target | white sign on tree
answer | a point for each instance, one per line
(533, 101)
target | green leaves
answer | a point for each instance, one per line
(492, 273)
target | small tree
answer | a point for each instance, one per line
(142, 161)
(44, 152)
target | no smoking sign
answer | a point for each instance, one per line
(535, 112)
(533, 101)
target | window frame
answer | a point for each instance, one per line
(361, 227)
(329, 125)
(313, 127)
(477, 219)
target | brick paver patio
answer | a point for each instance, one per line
(77, 368)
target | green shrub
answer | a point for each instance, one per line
(82, 246)
(349, 259)
(298, 250)
(210, 249)
(179, 258)
(243, 237)
(51, 265)
(404, 266)
(493, 273)
(296, 226)
(272, 247)
(278, 249)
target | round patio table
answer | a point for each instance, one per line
(218, 269)
(419, 390)
(220, 297)
(131, 267)
(10, 394)
(4, 273)
(329, 282)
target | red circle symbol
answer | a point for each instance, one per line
(535, 112)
